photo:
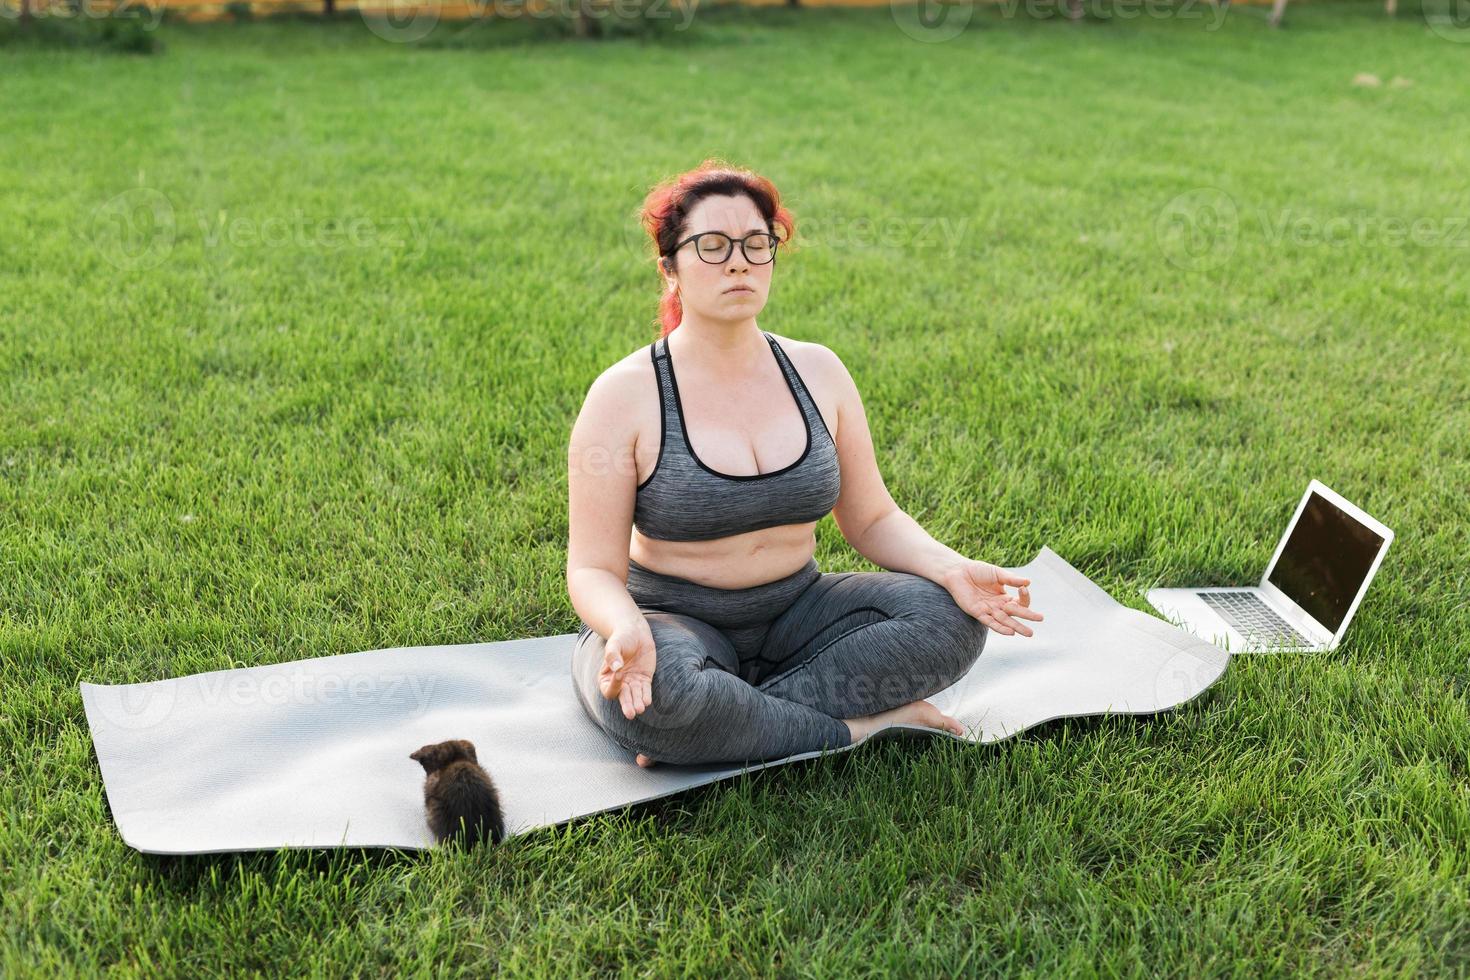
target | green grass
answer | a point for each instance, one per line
(219, 452)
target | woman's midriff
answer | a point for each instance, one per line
(736, 562)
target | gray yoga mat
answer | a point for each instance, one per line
(314, 753)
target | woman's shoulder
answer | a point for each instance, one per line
(813, 361)
(622, 385)
(638, 361)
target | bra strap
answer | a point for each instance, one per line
(666, 392)
(803, 397)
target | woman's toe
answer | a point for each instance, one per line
(644, 760)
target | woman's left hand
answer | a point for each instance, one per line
(978, 588)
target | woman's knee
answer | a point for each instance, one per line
(668, 728)
(956, 638)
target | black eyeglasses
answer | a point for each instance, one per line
(716, 247)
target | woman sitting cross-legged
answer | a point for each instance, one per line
(709, 633)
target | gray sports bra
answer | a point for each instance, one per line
(685, 500)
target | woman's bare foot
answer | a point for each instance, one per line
(913, 713)
(644, 760)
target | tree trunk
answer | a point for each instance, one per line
(1278, 10)
(1391, 7)
(583, 23)
(329, 7)
(1074, 9)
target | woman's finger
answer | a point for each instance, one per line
(1023, 612)
(1011, 623)
(998, 613)
(991, 621)
(1010, 605)
(980, 611)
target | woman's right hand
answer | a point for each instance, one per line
(627, 667)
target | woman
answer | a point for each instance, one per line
(709, 634)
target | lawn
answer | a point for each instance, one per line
(294, 323)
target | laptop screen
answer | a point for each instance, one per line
(1325, 561)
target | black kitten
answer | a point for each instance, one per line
(459, 797)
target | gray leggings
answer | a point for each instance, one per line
(770, 671)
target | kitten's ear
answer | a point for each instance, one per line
(469, 750)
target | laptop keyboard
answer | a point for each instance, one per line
(1253, 619)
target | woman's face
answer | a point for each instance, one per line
(710, 289)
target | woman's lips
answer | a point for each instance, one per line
(740, 289)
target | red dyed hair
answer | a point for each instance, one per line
(667, 206)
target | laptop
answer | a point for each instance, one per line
(1312, 587)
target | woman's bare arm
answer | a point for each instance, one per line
(601, 484)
